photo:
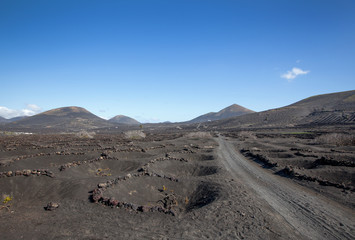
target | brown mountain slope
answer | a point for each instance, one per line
(228, 112)
(121, 119)
(334, 108)
(66, 118)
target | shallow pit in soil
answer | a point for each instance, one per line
(151, 191)
(178, 168)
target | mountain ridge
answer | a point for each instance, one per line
(331, 108)
(64, 118)
(228, 112)
(122, 119)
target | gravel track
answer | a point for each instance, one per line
(309, 214)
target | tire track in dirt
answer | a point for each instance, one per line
(311, 216)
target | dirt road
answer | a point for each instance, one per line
(309, 214)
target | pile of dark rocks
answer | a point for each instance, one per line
(97, 195)
(27, 172)
(103, 156)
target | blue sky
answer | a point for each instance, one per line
(172, 60)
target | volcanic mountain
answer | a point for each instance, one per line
(333, 108)
(3, 120)
(228, 112)
(121, 119)
(14, 119)
(66, 118)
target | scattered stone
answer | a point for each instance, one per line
(208, 147)
(102, 185)
(51, 206)
(134, 207)
(49, 174)
(26, 172)
(96, 197)
(113, 202)
(144, 209)
(172, 212)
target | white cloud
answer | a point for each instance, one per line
(30, 110)
(290, 75)
(33, 107)
(106, 118)
(6, 112)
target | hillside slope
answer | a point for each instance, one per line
(66, 118)
(121, 119)
(228, 112)
(333, 108)
(3, 120)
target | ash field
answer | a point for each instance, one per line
(286, 173)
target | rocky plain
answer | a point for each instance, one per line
(248, 177)
(163, 186)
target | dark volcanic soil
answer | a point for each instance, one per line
(322, 159)
(164, 186)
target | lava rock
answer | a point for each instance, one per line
(51, 206)
(102, 185)
(113, 202)
(145, 209)
(96, 197)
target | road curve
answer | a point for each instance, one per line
(311, 215)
